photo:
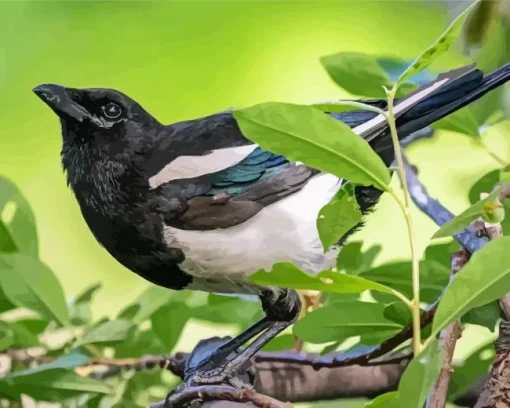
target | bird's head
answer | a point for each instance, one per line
(104, 131)
(99, 118)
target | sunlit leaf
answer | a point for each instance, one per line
(462, 220)
(29, 283)
(341, 320)
(484, 278)
(337, 217)
(22, 233)
(419, 377)
(290, 276)
(440, 46)
(227, 309)
(109, 331)
(304, 134)
(147, 303)
(79, 308)
(388, 400)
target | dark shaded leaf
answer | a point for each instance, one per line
(337, 217)
(433, 278)
(486, 316)
(398, 312)
(357, 73)
(20, 233)
(139, 344)
(168, 323)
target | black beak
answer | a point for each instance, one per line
(61, 101)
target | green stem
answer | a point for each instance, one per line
(406, 210)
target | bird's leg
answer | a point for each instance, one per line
(281, 311)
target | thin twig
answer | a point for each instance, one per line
(447, 340)
(222, 393)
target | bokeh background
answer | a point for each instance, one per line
(186, 59)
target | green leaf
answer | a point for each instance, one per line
(19, 234)
(6, 336)
(330, 348)
(462, 121)
(29, 283)
(350, 258)
(304, 134)
(341, 320)
(23, 338)
(109, 331)
(168, 323)
(290, 276)
(52, 385)
(79, 308)
(147, 303)
(5, 304)
(471, 369)
(504, 176)
(337, 217)
(483, 185)
(357, 73)
(138, 344)
(462, 220)
(227, 309)
(420, 376)
(74, 359)
(281, 343)
(484, 278)
(486, 316)
(398, 312)
(440, 46)
(442, 253)
(433, 278)
(388, 400)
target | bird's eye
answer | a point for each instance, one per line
(112, 111)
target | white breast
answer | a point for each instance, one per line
(282, 232)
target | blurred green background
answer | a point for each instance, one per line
(186, 59)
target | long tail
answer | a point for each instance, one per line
(460, 88)
(454, 96)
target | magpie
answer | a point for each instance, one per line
(196, 205)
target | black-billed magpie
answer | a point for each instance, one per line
(196, 205)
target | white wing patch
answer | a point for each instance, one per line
(194, 166)
(286, 231)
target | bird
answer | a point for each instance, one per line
(196, 205)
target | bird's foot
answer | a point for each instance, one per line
(214, 362)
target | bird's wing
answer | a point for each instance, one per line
(235, 194)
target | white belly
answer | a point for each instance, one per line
(286, 231)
